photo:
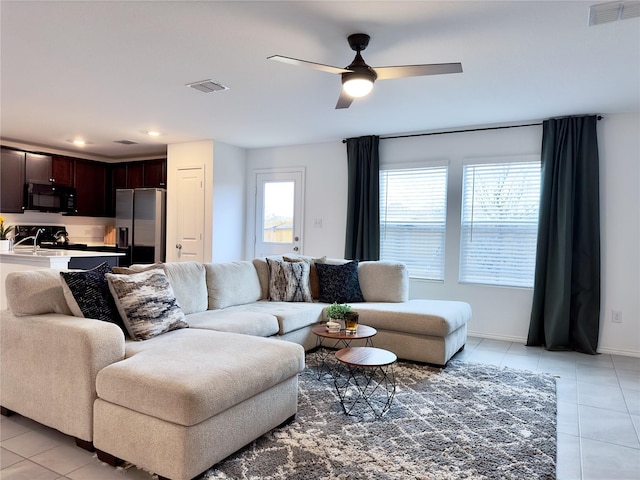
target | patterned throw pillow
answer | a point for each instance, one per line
(146, 303)
(339, 283)
(288, 282)
(87, 294)
(314, 283)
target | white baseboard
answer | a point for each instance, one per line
(617, 351)
(505, 338)
(523, 340)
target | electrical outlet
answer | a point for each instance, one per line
(616, 316)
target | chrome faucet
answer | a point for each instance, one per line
(34, 237)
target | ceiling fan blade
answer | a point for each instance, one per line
(404, 71)
(304, 63)
(344, 101)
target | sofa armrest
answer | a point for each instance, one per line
(49, 365)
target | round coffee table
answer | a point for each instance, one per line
(326, 341)
(366, 378)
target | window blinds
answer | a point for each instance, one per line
(413, 212)
(499, 223)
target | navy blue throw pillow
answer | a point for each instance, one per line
(339, 283)
(87, 293)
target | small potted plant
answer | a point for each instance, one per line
(337, 313)
(4, 231)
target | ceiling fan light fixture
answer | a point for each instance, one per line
(357, 87)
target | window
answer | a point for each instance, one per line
(277, 222)
(499, 223)
(413, 212)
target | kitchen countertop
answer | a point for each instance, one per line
(48, 258)
(51, 252)
(44, 258)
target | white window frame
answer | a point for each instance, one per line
(510, 261)
(429, 262)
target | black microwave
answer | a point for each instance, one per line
(49, 198)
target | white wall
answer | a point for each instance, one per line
(498, 312)
(619, 148)
(325, 193)
(224, 191)
(229, 176)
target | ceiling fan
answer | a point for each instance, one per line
(358, 77)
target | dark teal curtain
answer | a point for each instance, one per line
(566, 296)
(363, 201)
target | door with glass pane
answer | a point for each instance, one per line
(279, 212)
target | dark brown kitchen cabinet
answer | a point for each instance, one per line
(135, 175)
(11, 181)
(119, 176)
(38, 168)
(92, 188)
(62, 170)
(155, 173)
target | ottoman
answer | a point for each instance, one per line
(190, 398)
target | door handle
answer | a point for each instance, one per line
(179, 246)
(295, 249)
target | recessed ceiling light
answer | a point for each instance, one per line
(78, 142)
(153, 133)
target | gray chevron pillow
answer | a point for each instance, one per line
(146, 303)
(288, 281)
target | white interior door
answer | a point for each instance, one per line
(279, 207)
(190, 214)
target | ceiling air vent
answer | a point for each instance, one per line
(125, 142)
(613, 11)
(208, 86)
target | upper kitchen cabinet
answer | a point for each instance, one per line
(119, 175)
(155, 173)
(38, 168)
(62, 170)
(140, 174)
(92, 182)
(135, 175)
(11, 181)
(56, 170)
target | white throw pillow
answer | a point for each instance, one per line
(146, 303)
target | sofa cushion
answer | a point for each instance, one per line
(146, 303)
(314, 283)
(232, 283)
(88, 296)
(188, 280)
(188, 376)
(291, 315)
(421, 317)
(382, 281)
(288, 281)
(34, 292)
(339, 283)
(246, 322)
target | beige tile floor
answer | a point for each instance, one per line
(598, 421)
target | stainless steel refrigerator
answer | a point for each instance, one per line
(140, 223)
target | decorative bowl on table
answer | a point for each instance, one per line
(333, 327)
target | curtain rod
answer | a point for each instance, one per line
(599, 117)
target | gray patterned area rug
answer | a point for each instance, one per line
(467, 421)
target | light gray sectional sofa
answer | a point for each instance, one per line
(183, 400)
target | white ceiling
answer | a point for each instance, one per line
(111, 70)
